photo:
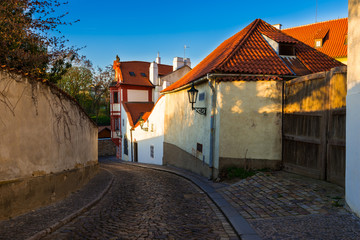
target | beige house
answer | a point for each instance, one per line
(237, 119)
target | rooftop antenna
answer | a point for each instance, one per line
(185, 47)
(316, 11)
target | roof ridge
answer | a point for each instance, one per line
(255, 23)
(305, 25)
(143, 62)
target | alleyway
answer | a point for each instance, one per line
(144, 203)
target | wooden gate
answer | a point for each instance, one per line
(314, 125)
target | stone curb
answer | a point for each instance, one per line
(72, 216)
(238, 222)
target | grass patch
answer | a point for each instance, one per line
(235, 172)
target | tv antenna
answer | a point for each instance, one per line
(185, 47)
(316, 11)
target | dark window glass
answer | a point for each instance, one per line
(132, 74)
(143, 74)
(199, 147)
(152, 151)
(116, 98)
(287, 49)
(126, 149)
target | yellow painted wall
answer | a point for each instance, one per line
(42, 131)
(342, 59)
(250, 119)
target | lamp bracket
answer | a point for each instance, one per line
(201, 111)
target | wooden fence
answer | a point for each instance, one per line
(314, 125)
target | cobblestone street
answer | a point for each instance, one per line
(149, 204)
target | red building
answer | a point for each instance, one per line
(135, 82)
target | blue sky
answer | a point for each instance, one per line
(137, 30)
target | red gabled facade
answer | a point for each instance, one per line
(131, 77)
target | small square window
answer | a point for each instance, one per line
(132, 74)
(143, 74)
(317, 43)
(199, 147)
(201, 96)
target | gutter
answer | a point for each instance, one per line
(210, 75)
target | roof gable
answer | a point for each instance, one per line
(248, 52)
(135, 110)
(335, 32)
(137, 72)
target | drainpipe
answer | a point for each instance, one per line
(212, 125)
(131, 145)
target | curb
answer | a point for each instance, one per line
(72, 216)
(241, 227)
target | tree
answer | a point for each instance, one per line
(29, 37)
(100, 90)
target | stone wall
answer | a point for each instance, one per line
(106, 147)
(44, 133)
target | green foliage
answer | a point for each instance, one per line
(235, 172)
(29, 39)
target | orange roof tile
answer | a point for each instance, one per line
(334, 32)
(138, 68)
(247, 52)
(135, 110)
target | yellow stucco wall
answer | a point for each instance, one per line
(342, 59)
(41, 130)
(250, 120)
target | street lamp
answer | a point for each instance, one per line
(141, 121)
(192, 92)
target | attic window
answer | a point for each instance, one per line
(286, 49)
(143, 74)
(318, 43)
(132, 74)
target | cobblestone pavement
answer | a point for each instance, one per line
(25, 226)
(282, 205)
(149, 204)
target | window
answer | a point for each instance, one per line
(318, 43)
(126, 149)
(123, 121)
(202, 96)
(199, 147)
(132, 74)
(143, 74)
(117, 124)
(152, 151)
(116, 99)
(286, 49)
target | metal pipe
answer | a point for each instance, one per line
(212, 126)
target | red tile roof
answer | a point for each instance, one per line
(123, 70)
(135, 110)
(247, 52)
(334, 32)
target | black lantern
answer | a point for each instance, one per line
(193, 93)
(141, 121)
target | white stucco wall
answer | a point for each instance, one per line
(42, 131)
(250, 119)
(184, 127)
(153, 137)
(137, 95)
(126, 129)
(352, 174)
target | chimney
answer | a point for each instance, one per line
(187, 62)
(116, 67)
(277, 26)
(153, 73)
(158, 59)
(178, 62)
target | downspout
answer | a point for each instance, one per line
(131, 145)
(212, 125)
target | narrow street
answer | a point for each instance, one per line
(148, 204)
